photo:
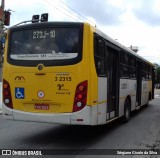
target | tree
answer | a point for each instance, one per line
(157, 79)
(158, 75)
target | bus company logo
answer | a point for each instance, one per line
(41, 94)
(60, 86)
(19, 78)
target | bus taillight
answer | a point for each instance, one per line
(7, 98)
(80, 98)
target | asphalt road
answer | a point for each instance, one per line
(141, 132)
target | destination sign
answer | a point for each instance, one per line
(43, 34)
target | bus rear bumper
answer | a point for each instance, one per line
(82, 117)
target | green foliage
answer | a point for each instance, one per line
(157, 79)
(158, 75)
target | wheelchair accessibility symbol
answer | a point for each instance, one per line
(19, 93)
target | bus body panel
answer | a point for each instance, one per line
(146, 92)
(102, 100)
(46, 89)
(58, 88)
(127, 88)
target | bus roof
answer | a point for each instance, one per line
(111, 40)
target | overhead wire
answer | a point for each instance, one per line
(51, 5)
(77, 12)
(70, 11)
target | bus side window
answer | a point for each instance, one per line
(150, 73)
(144, 72)
(99, 56)
(124, 60)
(132, 67)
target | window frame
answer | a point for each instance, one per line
(34, 63)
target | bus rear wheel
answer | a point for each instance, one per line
(127, 111)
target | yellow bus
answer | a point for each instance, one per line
(71, 73)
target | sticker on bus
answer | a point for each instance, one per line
(19, 93)
(49, 56)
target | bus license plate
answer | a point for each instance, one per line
(41, 106)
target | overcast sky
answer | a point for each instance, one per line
(131, 22)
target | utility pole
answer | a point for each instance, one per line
(4, 21)
(2, 18)
(3, 4)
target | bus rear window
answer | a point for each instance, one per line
(53, 44)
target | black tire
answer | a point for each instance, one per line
(127, 111)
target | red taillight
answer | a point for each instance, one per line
(7, 98)
(6, 93)
(81, 88)
(5, 85)
(80, 98)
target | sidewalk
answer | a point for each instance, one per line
(157, 91)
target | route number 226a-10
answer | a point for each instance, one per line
(63, 79)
